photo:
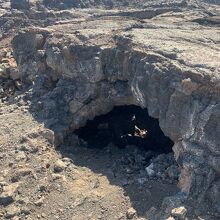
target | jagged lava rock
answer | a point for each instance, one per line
(170, 68)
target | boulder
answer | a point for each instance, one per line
(179, 212)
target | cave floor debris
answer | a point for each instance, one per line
(174, 43)
(70, 182)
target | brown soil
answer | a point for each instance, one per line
(93, 184)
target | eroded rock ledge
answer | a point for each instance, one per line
(78, 72)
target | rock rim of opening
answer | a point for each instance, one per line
(80, 72)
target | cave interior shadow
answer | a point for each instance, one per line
(110, 144)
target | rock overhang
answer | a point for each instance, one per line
(67, 49)
(171, 70)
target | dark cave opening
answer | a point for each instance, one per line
(127, 147)
(123, 126)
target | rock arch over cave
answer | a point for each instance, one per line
(130, 131)
(91, 79)
(128, 147)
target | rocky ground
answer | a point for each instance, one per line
(48, 175)
(73, 182)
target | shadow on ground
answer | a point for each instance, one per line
(123, 168)
(120, 160)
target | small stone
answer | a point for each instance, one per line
(59, 166)
(60, 210)
(131, 213)
(25, 210)
(39, 38)
(48, 135)
(12, 211)
(79, 201)
(21, 173)
(179, 212)
(3, 72)
(8, 194)
(56, 176)
(120, 216)
(150, 171)
(6, 61)
(67, 161)
(66, 52)
(14, 73)
(40, 201)
(40, 54)
(43, 215)
(5, 172)
(20, 156)
(30, 149)
(9, 54)
(95, 184)
(18, 84)
(43, 187)
(3, 183)
(128, 171)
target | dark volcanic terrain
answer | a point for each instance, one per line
(110, 109)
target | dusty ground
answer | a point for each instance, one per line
(71, 182)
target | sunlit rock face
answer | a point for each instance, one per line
(76, 73)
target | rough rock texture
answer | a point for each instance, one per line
(63, 4)
(20, 4)
(76, 64)
(168, 65)
(39, 182)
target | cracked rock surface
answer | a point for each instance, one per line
(75, 64)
